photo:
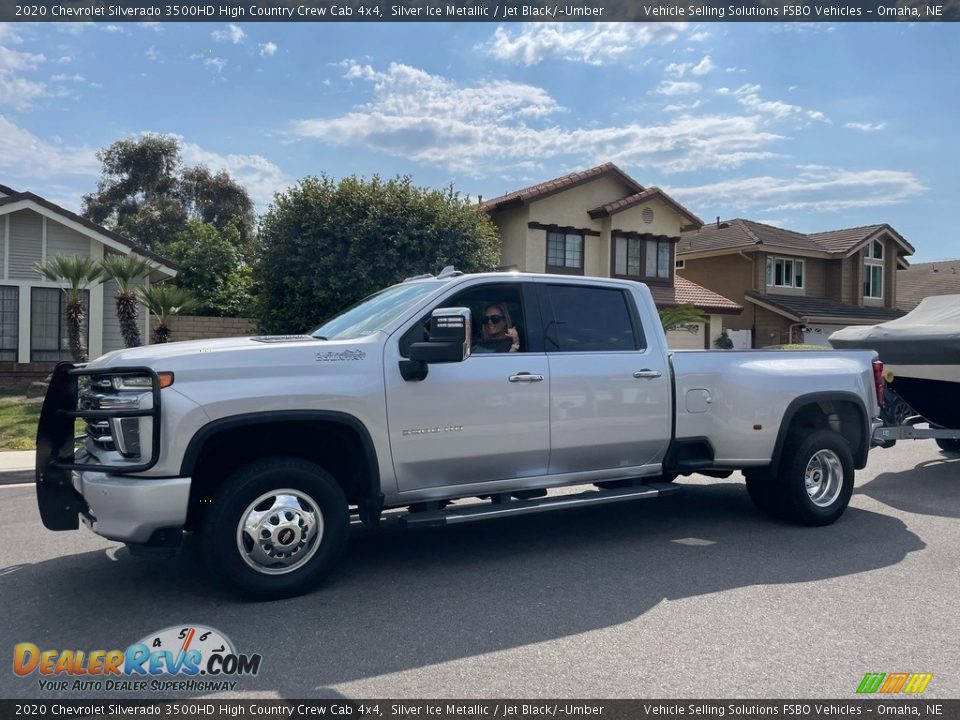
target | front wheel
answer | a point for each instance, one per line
(276, 528)
(815, 479)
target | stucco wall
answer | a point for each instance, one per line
(726, 275)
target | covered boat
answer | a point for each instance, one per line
(921, 352)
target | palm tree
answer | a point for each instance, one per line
(124, 270)
(79, 272)
(671, 318)
(165, 301)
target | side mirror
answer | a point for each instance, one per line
(450, 333)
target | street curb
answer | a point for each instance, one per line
(12, 477)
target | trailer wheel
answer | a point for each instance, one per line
(275, 528)
(815, 479)
(949, 445)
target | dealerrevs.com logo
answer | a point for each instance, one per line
(177, 658)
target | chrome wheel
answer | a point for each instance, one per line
(280, 531)
(823, 478)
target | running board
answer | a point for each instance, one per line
(484, 511)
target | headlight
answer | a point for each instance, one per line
(131, 382)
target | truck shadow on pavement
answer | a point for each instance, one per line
(406, 599)
(930, 488)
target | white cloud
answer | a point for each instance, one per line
(26, 157)
(76, 77)
(152, 53)
(699, 36)
(258, 175)
(216, 63)
(672, 88)
(678, 69)
(155, 26)
(591, 43)
(64, 60)
(678, 107)
(704, 66)
(115, 29)
(749, 96)
(494, 126)
(16, 61)
(233, 33)
(268, 49)
(815, 188)
(866, 127)
(17, 91)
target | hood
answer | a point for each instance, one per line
(150, 354)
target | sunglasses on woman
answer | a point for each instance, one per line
(491, 319)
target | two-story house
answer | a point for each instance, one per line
(33, 332)
(797, 287)
(602, 222)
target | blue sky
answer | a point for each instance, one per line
(807, 126)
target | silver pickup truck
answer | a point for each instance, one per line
(268, 447)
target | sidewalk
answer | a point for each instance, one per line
(16, 466)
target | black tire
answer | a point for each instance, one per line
(268, 569)
(827, 456)
(949, 445)
(762, 487)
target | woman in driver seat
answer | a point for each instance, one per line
(497, 332)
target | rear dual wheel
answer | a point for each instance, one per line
(814, 483)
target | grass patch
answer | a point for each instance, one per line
(18, 420)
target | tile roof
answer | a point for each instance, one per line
(630, 201)
(925, 280)
(535, 192)
(30, 197)
(804, 308)
(683, 291)
(7, 190)
(739, 232)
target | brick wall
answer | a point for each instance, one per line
(195, 327)
(18, 375)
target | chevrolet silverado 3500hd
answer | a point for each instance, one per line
(267, 446)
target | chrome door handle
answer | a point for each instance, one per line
(526, 377)
(639, 374)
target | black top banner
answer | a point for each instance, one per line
(479, 11)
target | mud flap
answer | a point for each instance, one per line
(59, 504)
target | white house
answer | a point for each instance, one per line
(33, 333)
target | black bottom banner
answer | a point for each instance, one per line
(444, 709)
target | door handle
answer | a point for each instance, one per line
(526, 377)
(640, 374)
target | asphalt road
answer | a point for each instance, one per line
(690, 596)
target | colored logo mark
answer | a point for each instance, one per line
(891, 683)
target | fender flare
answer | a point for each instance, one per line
(798, 403)
(214, 427)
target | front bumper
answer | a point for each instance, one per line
(131, 509)
(71, 483)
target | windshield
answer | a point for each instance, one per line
(375, 312)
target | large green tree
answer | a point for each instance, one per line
(146, 194)
(327, 244)
(213, 268)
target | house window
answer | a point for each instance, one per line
(680, 264)
(784, 272)
(9, 322)
(641, 259)
(873, 271)
(49, 341)
(565, 253)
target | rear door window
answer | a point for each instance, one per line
(590, 319)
